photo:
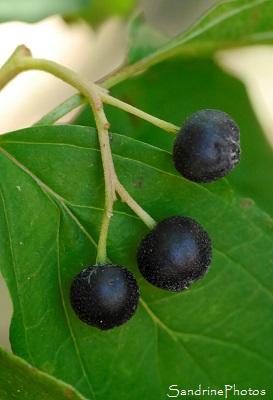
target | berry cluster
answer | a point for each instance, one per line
(178, 251)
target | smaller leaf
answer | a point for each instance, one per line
(144, 39)
(228, 24)
(99, 11)
(22, 381)
(35, 10)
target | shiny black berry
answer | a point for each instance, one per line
(207, 147)
(104, 296)
(175, 253)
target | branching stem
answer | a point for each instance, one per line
(21, 60)
(17, 63)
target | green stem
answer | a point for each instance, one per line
(166, 126)
(126, 71)
(77, 100)
(92, 93)
(62, 110)
(90, 90)
(126, 197)
(21, 60)
(8, 73)
(12, 66)
(110, 179)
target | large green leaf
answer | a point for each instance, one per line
(218, 332)
(21, 381)
(35, 10)
(228, 24)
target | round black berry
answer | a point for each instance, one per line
(175, 253)
(104, 296)
(207, 147)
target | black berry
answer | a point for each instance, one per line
(175, 253)
(207, 147)
(104, 296)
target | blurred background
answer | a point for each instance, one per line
(94, 52)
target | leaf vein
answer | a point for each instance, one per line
(172, 335)
(241, 347)
(67, 314)
(51, 144)
(15, 274)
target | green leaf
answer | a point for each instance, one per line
(22, 381)
(218, 332)
(35, 10)
(143, 39)
(99, 11)
(228, 24)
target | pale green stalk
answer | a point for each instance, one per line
(21, 60)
